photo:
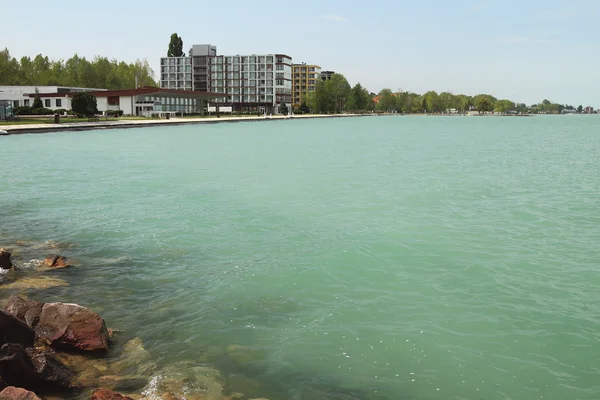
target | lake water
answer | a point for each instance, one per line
(424, 258)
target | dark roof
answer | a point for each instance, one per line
(144, 91)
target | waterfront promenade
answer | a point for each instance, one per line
(121, 124)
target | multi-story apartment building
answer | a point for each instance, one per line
(304, 80)
(252, 83)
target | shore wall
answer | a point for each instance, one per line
(83, 126)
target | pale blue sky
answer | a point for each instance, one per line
(522, 50)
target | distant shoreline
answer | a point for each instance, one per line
(90, 126)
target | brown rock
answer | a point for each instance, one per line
(33, 369)
(104, 394)
(27, 311)
(5, 262)
(14, 331)
(14, 393)
(56, 262)
(72, 327)
(61, 325)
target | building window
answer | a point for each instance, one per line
(26, 103)
(58, 102)
(15, 103)
(47, 103)
(113, 100)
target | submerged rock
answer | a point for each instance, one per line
(88, 370)
(135, 360)
(12, 330)
(15, 393)
(34, 282)
(33, 369)
(104, 394)
(244, 354)
(55, 262)
(186, 381)
(62, 325)
(5, 261)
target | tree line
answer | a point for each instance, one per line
(336, 95)
(99, 72)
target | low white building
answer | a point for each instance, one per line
(19, 96)
(142, 101)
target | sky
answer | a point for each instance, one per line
(525, 51)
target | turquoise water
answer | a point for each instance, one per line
(422, 258)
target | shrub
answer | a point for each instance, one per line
(25, 110)
(118, 113)
(37, 102)
(60, 111)
(42, 111)
(84, 103)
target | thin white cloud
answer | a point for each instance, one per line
(337, 18)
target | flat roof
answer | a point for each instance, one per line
(145, 91)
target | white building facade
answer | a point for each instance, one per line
(21, 96)
(250, 83)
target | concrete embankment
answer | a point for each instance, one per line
(123, 124)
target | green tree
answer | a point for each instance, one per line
(175, 46)
(359, 99)
(484, 102)
(580, 109)
(522, 108)
(447, 101)
(84, 103)
(503, 106)
(387, 101)
(304, 106)
(76, 71)
(338, 90)
(432, 102)
(283, 109)
(321, 99)
(37, 102)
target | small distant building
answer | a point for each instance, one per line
(452, 111)
(589, 110)
(141, 102)
(326, 75)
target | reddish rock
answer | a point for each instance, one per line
(5, 262)
(72, 327)
(61, 325)
(14, 331)
(15, 393)
(56, 262)
(104, 394)
(33, 369)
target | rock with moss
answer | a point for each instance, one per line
(186, 380)
(244, 354)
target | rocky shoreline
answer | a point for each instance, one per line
(59, 350)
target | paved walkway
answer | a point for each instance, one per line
(108, 124)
